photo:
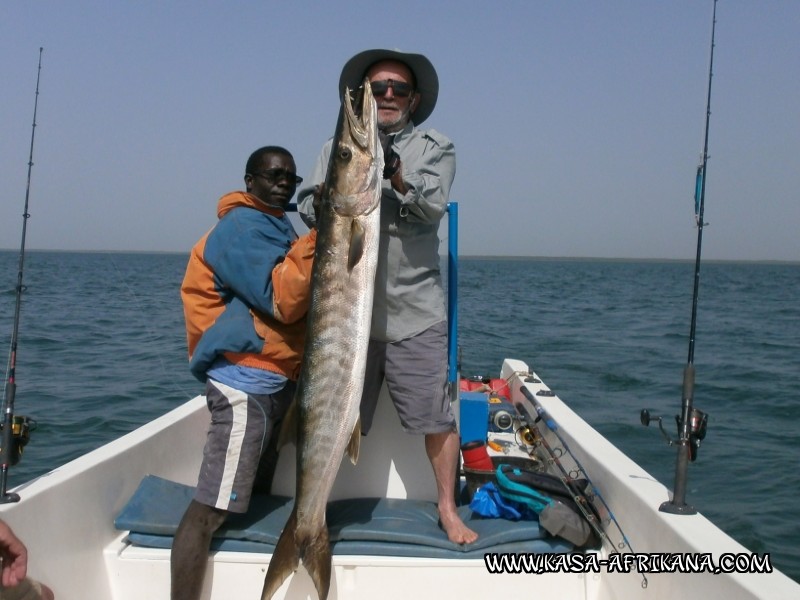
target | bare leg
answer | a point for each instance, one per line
(442, 449)
(190, 549)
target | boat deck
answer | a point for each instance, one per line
(67, 521)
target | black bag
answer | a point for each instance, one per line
(554, 500)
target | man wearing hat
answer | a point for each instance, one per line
(408, 341)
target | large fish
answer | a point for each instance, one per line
(326, 407)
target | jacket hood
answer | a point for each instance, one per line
(235, 199)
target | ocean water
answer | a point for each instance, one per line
(102, 351)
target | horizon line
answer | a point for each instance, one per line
(508, 257)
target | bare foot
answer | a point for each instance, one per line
(442, 449)
(456, 530)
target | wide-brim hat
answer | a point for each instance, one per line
(427, 81)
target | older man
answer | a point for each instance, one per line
(408, 345)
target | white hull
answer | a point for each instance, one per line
(66, 520)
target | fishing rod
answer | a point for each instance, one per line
(531, 436)
(599, 515)
(590, 501)
(17, 429)
(692, 423)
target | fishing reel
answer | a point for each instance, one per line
(526, 431)
(21, 428)
(698, 423)
(527, 435)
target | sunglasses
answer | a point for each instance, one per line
(275, 175)
(400, 89)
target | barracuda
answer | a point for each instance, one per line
(326, 407)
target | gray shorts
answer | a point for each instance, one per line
(415, 370)
(241, 427)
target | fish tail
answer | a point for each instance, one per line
(314, 550)
(317, 561)
(285, 559)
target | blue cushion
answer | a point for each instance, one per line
(373, 526)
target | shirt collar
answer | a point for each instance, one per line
(406, 131)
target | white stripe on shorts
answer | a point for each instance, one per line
(238, 402)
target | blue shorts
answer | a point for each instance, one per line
(241, 426)
(415, 370)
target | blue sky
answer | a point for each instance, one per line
(578, 125)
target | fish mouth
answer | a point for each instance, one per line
(358, 121)
(356, 157)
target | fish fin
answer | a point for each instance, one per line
(356, 251)
(285, 559)
(288, 431)
(317, 561)
(354, 444)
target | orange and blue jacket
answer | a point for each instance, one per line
(246, 290)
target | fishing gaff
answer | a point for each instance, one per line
(6, 451)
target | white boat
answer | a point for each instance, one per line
(100, 526)
(67, 519)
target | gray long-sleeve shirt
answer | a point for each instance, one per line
(409, 296)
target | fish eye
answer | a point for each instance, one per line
(345, 154)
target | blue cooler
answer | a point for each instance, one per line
(474, 423)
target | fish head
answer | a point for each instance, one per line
(356, 168)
